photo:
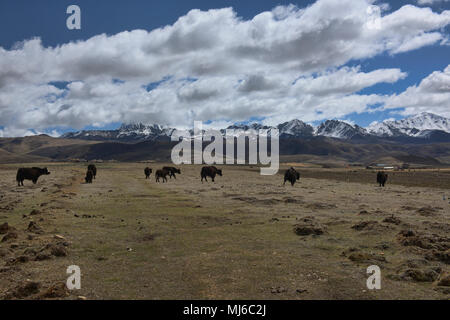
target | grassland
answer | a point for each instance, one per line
(232, 239)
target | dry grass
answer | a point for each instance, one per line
(433, 178)
(232, 239)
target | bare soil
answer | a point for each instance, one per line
(246, 236)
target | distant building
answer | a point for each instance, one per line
(381, 166)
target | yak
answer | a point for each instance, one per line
(291, 175)
(32, 174)
(210, 171)
(89, 176)
(148, 172)
(382, 178)
(93, 168)
(172, 171)
(161, 173)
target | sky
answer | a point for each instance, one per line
(221, 62)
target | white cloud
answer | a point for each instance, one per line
(430, 2)
(419, 41)
(346, 80)
(284, 63)
(431, 95)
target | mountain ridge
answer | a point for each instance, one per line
(426, 126)
(318, 149)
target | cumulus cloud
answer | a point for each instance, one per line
(346, 80)
(430, 2)
(213, 65)
(432, 94)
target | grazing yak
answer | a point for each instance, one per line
(382, 178)
(32, 174)
(172, 171)
(161, 173)
(93, 168)
(291, 175)
(89, 176)
(210, 172)
(148, 172)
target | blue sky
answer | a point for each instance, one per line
(45, 19)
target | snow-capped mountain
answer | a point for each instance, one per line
(340, 129)
(91, 135)
(126, 132)
(253, 126)
(145, 132)
(423, 126)
(416, 126)
(291, 129)
(245, 127)
(295, 128)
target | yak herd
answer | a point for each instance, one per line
(290, 175)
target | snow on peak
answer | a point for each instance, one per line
(411, 126)
(422, 125)
(339, 129)
(295, 128)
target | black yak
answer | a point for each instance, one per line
(161, 173)
(89, 176)
(148, 172)
(172, 171)
(32, 174)
(382, 178)
(93, 168)
(210, 172)
(291, 175)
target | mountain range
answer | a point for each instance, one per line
(422, 140)
(424, 127)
